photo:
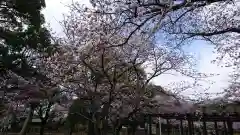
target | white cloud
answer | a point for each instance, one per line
(204, 54)
(54, 12)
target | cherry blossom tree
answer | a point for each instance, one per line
(28, 96)
(176, 23)
(113, 81)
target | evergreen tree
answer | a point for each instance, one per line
(23, 41)
(23, 35)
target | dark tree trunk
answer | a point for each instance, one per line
(44, 119)
(225, 128)
(158, 129)
(193, 129)
(134, 129)
(129, 130)
(105, 127)
(118, 131)
(189, 127)
(181, 127)
(230, 129)
(168, 127)
(42, 128)
(90, 128)
(216, 127)
(204, 127)
(150, 125)
(71, 131)
(26, 122)
(145, 127)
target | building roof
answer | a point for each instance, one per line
(169, 103)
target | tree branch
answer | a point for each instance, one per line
(207, 34)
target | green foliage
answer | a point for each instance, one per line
(24, 40)
(22, 33)
(10, 121)
(78, 113)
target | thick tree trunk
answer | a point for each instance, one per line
(68, 127)
(230, 128)
(134, 129)
(118, 131)
(157, 129)
(168, 127)
(129, 130)
(71, 131)
(225, 128)
(204, 127)
(190, 127)
(26, 122)
(105, 127)
(91, 128)
(181, 127)
(42, 127)
(44, 120)
(150, 125)
(216, 127)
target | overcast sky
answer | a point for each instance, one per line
(203, 52)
